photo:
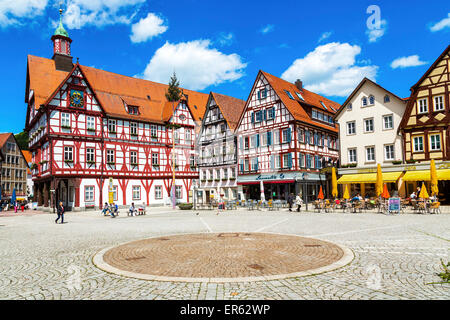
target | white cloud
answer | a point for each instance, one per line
(99, 12)
(11, 11)
(267, 29)
(376, 33)
(147, 28)
(444, 23)
(405, 62)
(325, 36)
(196, 64)
(330, 69)
(225, 39)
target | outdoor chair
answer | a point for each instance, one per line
(328, 206)
(270, 205)
(422, 207)
(435, 208)
(414, 205)
(317, 206)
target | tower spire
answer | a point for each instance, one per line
(61, 45)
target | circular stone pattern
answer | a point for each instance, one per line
(223, 257)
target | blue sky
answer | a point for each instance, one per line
(220, 45)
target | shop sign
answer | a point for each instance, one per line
(261, 177)
(394, 205)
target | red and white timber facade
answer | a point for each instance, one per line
(284, 143)
(80, 142)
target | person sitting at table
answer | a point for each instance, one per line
(413, 195)
(132, 211)
(357, 198)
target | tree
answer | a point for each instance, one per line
(173, 95)
(22, 140)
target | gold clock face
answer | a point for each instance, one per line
(76, 99)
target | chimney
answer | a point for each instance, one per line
(299, 85)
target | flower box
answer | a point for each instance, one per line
(410, 161)
(396, 162)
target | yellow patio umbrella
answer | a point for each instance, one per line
(334, 191)
(434, 180)
(379, 181)
(423, 192)
(346, 193)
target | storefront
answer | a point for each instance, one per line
(401, 179)
(278, 186)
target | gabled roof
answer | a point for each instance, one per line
(112, 90)
(297, 106)
(363, 81)
(431, 68)
(231, 108)
(3, 138)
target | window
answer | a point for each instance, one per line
(133, 129)
(308, 161)
(90, 155)
(133, 110)
(439, 103)
(368, 125)
(314, 114)
(349, 107)
(192, 160)
(258, 116)
(178, 192)
(301, 160)
(246, 143)
(154, 131)
(89, 194)
(277, 161)
(115, 192)
(112, 126)
(155, 159)
(254, 164)
(287, 135)
(352, 155)
(418, 144)
(388, 122)
(65, 120)
(158, 192)
(110, 159)
(364, 101)
(371, 100)
(435, 142)
(387, 99)
(262, 94)
(264, 139)
(276, 137)
(68, 154)
(271, 113)
(423, 105)
(323, 105)
(301, 136)
(136, 193)
(90, 121)
(299, 96)
(289, 94)
(389, 152)
(370, 154)
(287, 160)
(133, 158)
(351, 128)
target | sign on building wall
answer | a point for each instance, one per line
(111, 191)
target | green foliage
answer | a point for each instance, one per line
(173, 93)
(22, 140)
(446, 274)
(185, 206)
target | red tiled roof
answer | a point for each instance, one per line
(231, 108)
(295, 106)
(112, 90)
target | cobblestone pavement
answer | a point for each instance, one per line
(396, 257)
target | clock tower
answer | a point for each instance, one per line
(61, 47)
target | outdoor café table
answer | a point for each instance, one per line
(277, 204)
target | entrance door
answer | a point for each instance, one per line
(208, 199)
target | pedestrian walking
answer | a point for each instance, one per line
(290, 201)
(298, 202)
(60, 211)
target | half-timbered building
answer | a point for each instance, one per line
(426, 127)
(217, 146)
(287, 135)
(97, 136)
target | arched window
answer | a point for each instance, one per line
(349, 106)
(371, 100)
(387, 98)
(364, 101)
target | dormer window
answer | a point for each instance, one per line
(134, 110)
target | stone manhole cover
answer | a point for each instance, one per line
(224, 257)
